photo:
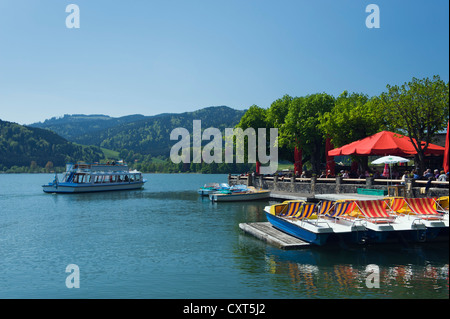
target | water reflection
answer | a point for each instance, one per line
(336, 273)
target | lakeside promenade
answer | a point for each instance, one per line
(286, 188)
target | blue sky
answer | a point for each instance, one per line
(150, 57)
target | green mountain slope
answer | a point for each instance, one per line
(27, 146)
(148, 135)
(71, 126)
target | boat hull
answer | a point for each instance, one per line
(233, 197)
(70, 188)
(316, 238)
(205, 192)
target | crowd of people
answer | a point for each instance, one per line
(437, 175)
(430, 175)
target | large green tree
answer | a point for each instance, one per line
(276, 118)
(353, 117)
(302, 129)
(277, 112)
(418, 108)
(254, 118)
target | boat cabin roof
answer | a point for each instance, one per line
(98, 168)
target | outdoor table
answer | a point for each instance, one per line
(397, 190)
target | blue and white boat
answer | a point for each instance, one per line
(314, 223)
(211, 188)
(239, 193)
(87, 178)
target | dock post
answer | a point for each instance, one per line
(293, 183)
(338, 184)
(250, 178)
(313, 184)
(369, 182)
(409, 188)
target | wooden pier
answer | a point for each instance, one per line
(266, 232)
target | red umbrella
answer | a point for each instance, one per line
(386, 170)
(446, 153)
(384, 143)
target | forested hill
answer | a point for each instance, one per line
(71, 126)
(24, 146)
(147, 135)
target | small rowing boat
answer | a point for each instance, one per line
(211, 188)
(239, 194)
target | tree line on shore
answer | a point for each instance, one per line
(418, 109)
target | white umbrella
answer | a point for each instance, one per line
(390, 159)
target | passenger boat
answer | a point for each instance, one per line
(211, 188)
(86, 178)
(313, 222)
(239, 194)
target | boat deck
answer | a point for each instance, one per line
(266, 232)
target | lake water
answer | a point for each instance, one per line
(167, 242)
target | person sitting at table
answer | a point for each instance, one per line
(329, 175)
(427, 174)
(414, 174)
(376, 174)
(443, 177)
(404, 177)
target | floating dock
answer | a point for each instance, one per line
(266, 232)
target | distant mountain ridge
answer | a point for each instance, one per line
(148, 135)
(71, 126)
